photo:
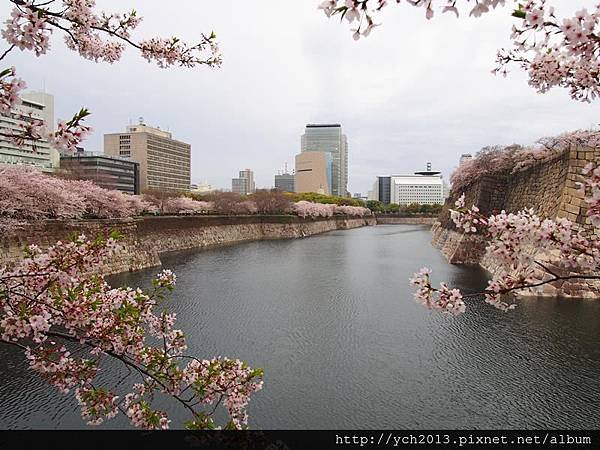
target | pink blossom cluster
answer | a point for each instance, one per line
(68, 136)
(245, 207)
(185, 205)
(27, 30)
(557, 53)
(99, 36)
(10, 87)
(223, 376)
(355, 211)
(513, 158)
(66, 139)
(310, 209)
(31, 131)
(169, 52)
(562, 53)
(96, 405)
(55, 298)
(363, 12)
(444, 299)
(27, 195)
(523, 243)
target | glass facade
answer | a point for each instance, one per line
(329, 138)
(385, 189)
(284, 182)
(107, 172)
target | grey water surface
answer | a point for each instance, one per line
(332, 321)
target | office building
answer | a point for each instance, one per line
(425, 187)
(244, 184)
(421, 189)
(164, 162)
(285, 182)
(109, 172)
(32, 105)
(329, 138)
(314, 172)
(382, 189)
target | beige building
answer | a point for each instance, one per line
(165, 163)
(313, 172)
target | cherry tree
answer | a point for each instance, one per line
(71, 325)
(54, 306)
(96, 36)
(531, 251)
(555, 51)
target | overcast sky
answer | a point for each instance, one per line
(414, 91)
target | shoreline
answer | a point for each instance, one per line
(145, 239)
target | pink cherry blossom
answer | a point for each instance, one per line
(555, 53)
(57, 297)
(522, 242)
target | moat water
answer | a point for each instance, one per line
(332, 322)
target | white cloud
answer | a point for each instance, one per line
(414, 91)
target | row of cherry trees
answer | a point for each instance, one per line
(28, 196)
(514, 158)
(70, 324)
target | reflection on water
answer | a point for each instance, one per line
(332, 321)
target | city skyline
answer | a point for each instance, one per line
(402, 101)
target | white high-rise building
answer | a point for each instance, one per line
(421, 189)
(33, 105)
(425, 188)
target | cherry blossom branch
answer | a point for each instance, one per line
(59, 297)
(556, 53)
(514, 240)
(32, 23)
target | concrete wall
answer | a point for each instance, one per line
(145, 239)
(549, 187)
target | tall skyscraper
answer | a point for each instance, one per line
(33, 105)
(329, 138)
(244, 184)
(165, 163)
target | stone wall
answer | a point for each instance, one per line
(397, 220)
(145, 239)
(549, 187)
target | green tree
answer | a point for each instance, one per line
(375, 206)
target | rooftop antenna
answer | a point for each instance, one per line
(286, 168)
(141, 119)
